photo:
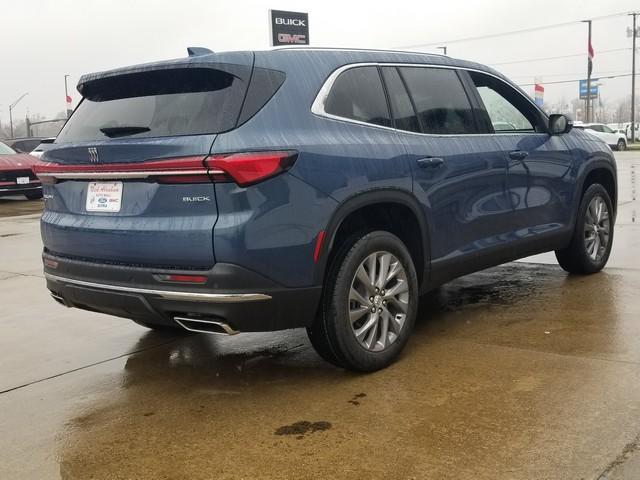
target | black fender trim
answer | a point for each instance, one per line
(597, 164)
(365, 199)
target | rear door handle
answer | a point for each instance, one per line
(430, 162)
(518, 155)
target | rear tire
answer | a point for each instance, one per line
(621, 146)
(592, 238)
(367, 317)
(33, 195)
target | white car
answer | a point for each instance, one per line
(616, 140)
(44, 144)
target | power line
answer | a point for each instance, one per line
(599, 52)
(512, 32)
(574, 80)
(546, 75)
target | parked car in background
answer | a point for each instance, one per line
(23, 145)
(628, 133)
(616, 140)
(45, 144)
(327, 189)
(16, 174)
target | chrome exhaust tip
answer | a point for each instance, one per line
(204, 325)
(58, 299)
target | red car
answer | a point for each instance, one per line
(16, 174)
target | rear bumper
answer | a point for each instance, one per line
(233, 296)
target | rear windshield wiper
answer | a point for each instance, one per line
(122, 131)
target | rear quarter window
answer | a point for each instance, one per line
(357, 94)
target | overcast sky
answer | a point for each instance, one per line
(42, 40)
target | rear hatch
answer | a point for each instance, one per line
(127, 180)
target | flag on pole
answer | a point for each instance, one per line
(591, 55)
(69, 100)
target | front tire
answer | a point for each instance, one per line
(592, 239)
(369, 304)
(621, 146)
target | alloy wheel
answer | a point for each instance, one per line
(378, 301)
(597, 228)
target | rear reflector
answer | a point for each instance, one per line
(183, 278)
(246, 168)
(318, 249)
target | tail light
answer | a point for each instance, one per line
(249, 168)
(246, 168)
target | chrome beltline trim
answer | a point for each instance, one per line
(168, 294)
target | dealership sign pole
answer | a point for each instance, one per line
(289, 28)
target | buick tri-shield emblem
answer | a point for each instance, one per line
(93, 155)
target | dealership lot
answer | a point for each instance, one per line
(516, 372)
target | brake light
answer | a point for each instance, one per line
(251, 167)
(246, 168)
(181, 169)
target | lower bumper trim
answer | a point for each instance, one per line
(167, 294)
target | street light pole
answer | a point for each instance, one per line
(11, 111)
(588, 100)
(444, 49)
(633, 80)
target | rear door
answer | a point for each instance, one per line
(459, 175)
(126, 178)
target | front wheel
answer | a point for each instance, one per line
(369, 304)
(592, 239)
(622, 145)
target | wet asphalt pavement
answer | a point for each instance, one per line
(517, 372)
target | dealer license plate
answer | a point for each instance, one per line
(104, 197)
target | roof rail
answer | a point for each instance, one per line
(347, 49)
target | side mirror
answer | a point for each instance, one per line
(559, 124)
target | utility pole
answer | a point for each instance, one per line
(634, 34)
(11, 107)
(589, 66)
(444, 49)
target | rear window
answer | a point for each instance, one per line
(158, 103)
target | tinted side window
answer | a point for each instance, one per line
(507, 108)
(504, 116)
(440, 100)
(357, 94)
(402, 111)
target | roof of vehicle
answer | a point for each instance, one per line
(331, 57)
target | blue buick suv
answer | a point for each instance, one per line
(326, 189)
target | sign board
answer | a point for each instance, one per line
(289, 28)
(594, 89)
